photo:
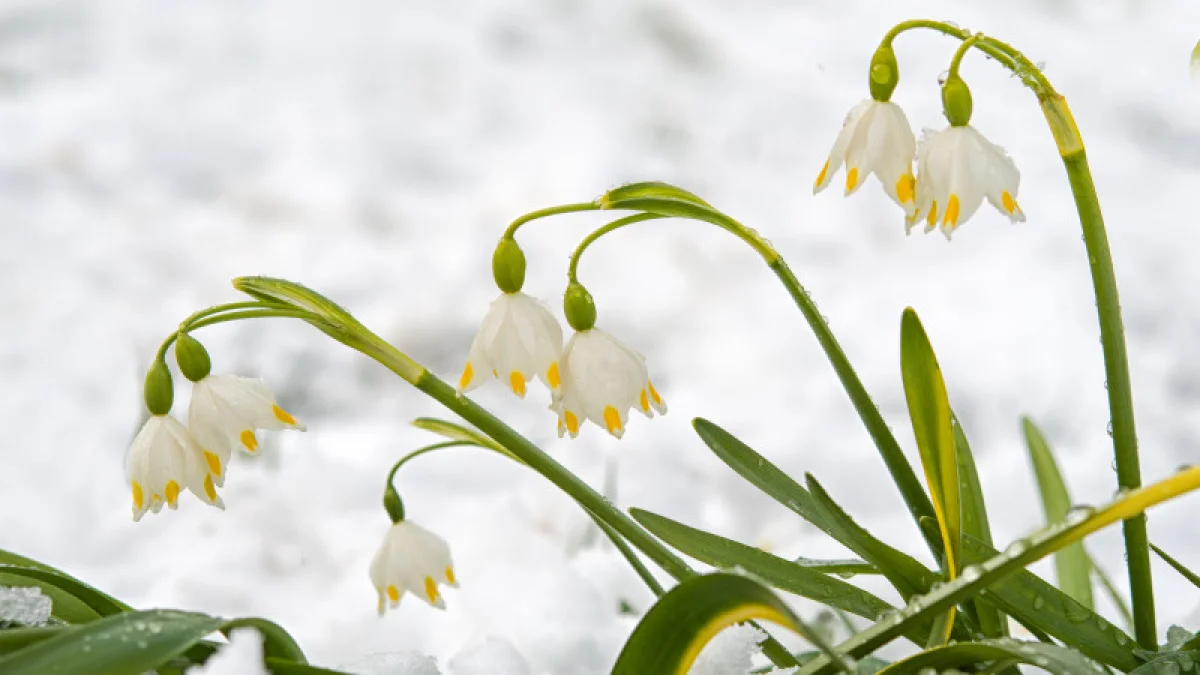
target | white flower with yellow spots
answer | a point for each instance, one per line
(163, 461)
(875, 139)
(957, 169)
(225, 412)
(411, 560)
(518, 339)
(601, 380)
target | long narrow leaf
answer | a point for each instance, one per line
(1072, 566)
(671, 635)
(1178, 566)
(975, 524)
(1018, 556)
(782, 574)
(100, 603)
(1050, 658)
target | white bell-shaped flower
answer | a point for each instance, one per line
(602, 379)
(164, 460)
(225, 412)
(875, 139)
(957, 168)
(518, 339)
(413, 560)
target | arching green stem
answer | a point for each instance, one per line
(551, 211)
(233, 311)
(902, 473)
(600, 232)
(962, 50)
(1108, 306)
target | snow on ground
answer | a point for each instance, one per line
(151, 151)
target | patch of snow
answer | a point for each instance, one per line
(24, 605)
(242, 656)
(730, 652)
(491, 656)
(393, 663)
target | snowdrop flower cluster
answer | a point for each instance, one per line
(957, 168)
(595, 377)
(226, 411)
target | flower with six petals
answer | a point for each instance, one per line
(413, 560)
(875, 139)
(957, 168)
(163, 460)
(519, 339)
(602, 379)
(224, 413)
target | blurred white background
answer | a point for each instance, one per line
(375, 150)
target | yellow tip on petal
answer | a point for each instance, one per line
(951, 217)
(552, 374)
(654, 394)
(431, 590)
(393, 594)
(1008, 202)
(644, 402)
(172, 492)
(214, 463)
(282, 415)
(450, 576)
(612, 421)
(572, 422)
(249, 440)
(851, 179)
(209, 490)
(821, 176)
(139, 497)
(931, 218)
(905, 188)
(465, 380)
(517, 380)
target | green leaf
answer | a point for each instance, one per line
(12, 639)
(1179, 567)
(1114, 595)
(1037, 603)
(975, 524)
(458, 432)
(1072, 566)
(1049, 658)
(63, 605)
(929, 409)
(129, 643)
(1018, 556)
(1170, 664)
(778, 572)
(99, 603)
(648, 189)
(671, 635)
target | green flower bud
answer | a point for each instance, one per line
(956, 101)
(885, 73)
(508, 265)
(391, 502)
(579, 307)
(159, 392)
(192, 357)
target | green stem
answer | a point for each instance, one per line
(962, 50)
(195, 320)
(630, 556)
(902, 473)
(614, 225)
(988, 46)
(551, 211)
(1120, 394)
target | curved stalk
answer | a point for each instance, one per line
(551, 211)
(233, 311)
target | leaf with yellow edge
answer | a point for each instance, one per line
(1020, 554)
(929, 408)
(672, 634)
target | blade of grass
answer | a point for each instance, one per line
(1050, 658)
(1071, 565)
(975, 524)
(1178, 566)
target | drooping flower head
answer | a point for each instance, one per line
(602, 379)
(519, 339)
(411, 560)
(224, 414)
(957, 168)
(875, 139)
(163, 461)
